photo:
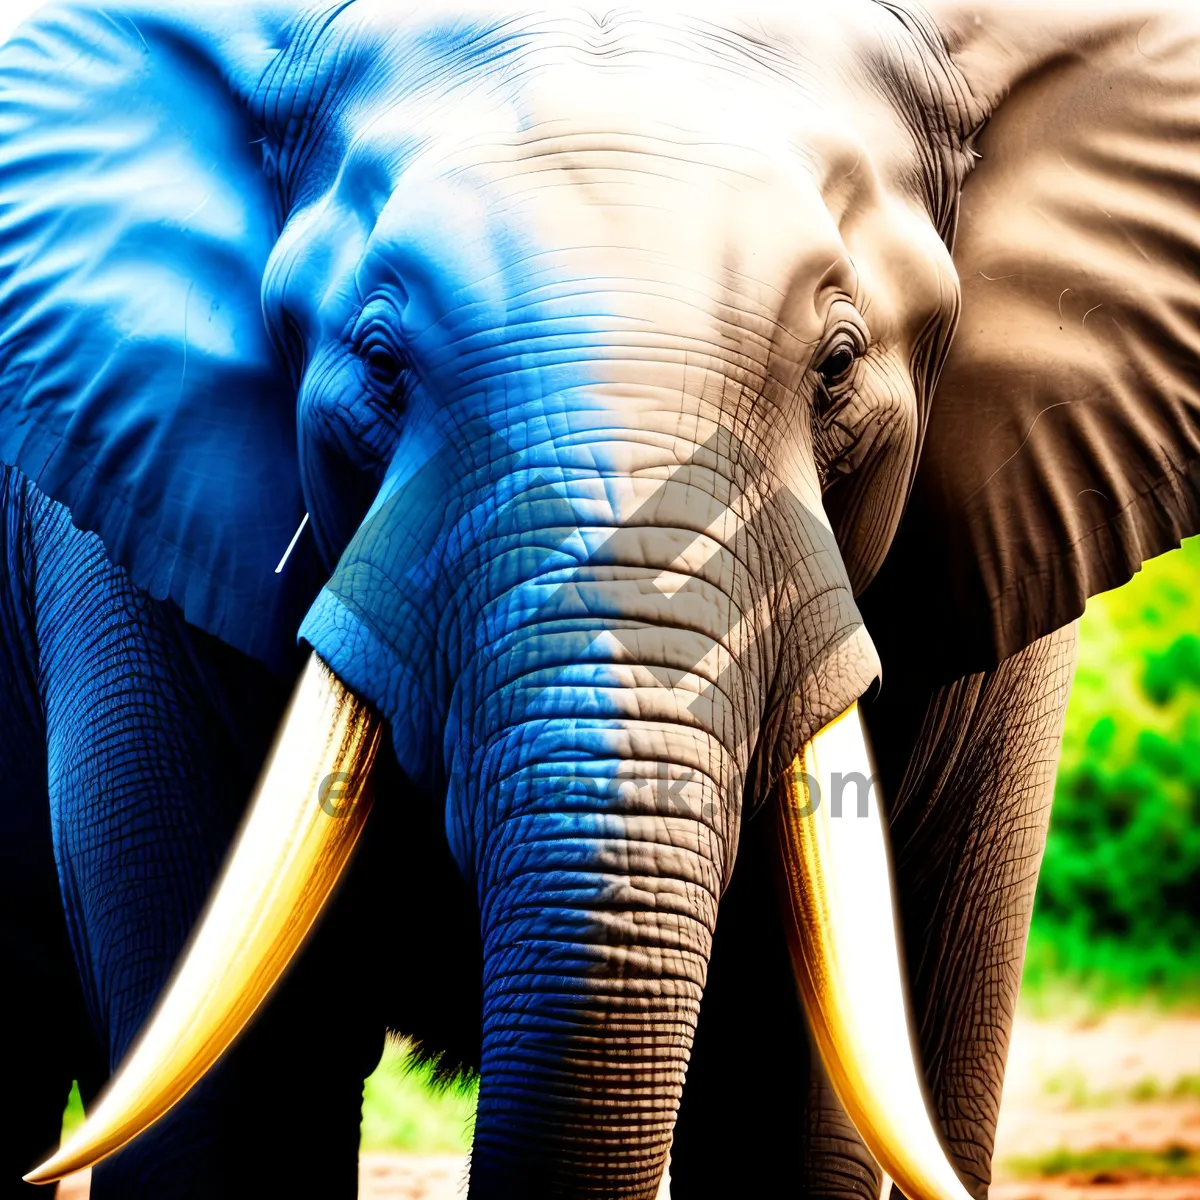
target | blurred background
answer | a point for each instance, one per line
(1118, 901)
(1102, 1097)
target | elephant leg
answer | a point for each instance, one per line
(757, 1109)
(155, 733)
(970, 767)
(49, 1040)
(41, 1008)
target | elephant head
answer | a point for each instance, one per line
(600, 352)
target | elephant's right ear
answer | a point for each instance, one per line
(1063, 442)
(138, 384)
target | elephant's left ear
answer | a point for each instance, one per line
(1063, 446)
(138, 384)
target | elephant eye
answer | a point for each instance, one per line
(382, 366)
(838, 358)
(387, 370)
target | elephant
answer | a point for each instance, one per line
(663, 409)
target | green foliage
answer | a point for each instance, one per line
(404, 1108)
(1118, 904)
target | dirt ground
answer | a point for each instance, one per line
(382, 1176)
(1128, 1083)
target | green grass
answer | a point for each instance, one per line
(73, 1113)
(1071, 1085)
(404, 1110)
(1186, 1087)
(1108, 1164)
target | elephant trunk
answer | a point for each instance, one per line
(597, 934)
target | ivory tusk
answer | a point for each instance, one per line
(840, 916)
(308, 811)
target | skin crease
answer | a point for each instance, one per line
(558, 294)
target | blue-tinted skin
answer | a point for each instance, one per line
(491, 573)
(130, 741)
(139, 388)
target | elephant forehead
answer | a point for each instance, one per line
(668, 258)
(723, 176)
(652, 246)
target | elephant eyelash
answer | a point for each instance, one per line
(836, 360)
(387, 370)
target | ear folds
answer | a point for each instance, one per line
(137, 382)
(1063, 447)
